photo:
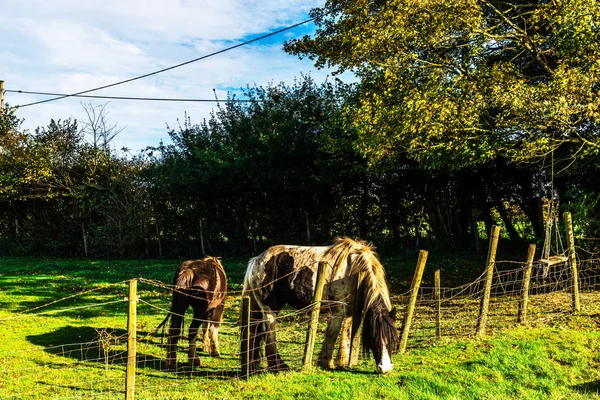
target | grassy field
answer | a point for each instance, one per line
(69, 349)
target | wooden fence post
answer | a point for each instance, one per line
(414, 293)
(245, 336)
(572, 261)
(522, 315)
(131, 341)
(438, 304)
(314, 316)
(475, 229)
(1, 97)
(485, 299)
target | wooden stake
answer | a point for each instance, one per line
(438, 301)
(414, 292)
(158, 238)
(485, 299)
(131, 341)
(572, 261)
(245, 347)
(202, 239)
(1, 97)
(522, 315)
(314, 316)
(307, 228)
(475, 229)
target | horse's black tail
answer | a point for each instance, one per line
(161, 325)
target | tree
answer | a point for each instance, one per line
(273, 169)
(458, 83)
(63, 190)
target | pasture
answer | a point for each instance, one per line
(74, 348)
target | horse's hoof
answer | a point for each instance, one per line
(215, 354)
(254, 369)
(171, 366)
(281, 367)
(326, 364)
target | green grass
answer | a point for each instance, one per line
(43, 353)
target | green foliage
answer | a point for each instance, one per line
(61, 193)
(285, 167)
(273, 169)
(459, 83)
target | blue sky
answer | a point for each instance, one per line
(66, 46)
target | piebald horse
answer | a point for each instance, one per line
(355, 292)
(201, 284)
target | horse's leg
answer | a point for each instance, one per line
(177, 311)
(213, 334)
(274, 360)
(331, 334)
(343, 357)
(355, 348)
(256, 337)
(205, 337)
(199, 316)
(215, 316)
(349, 349)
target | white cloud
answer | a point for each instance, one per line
(72, 45)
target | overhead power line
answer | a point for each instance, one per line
(61, 95)
(174, 66)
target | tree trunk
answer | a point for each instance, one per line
(475, 229)
(364, 210)
(439, 216)
(85, 239)
(307, 229)
(499, 204)
(202, 239)
(510, 228)
(158, 238)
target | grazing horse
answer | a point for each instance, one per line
(355, 292)
(201, 284)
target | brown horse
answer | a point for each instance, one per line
(201, 284)
(355, 292)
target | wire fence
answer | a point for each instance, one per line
(53, 365)
(550, 293)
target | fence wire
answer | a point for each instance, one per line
(550, 293)
(94, 366)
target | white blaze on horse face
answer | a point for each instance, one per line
(385, 365)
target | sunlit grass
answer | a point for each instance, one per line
(57, 355)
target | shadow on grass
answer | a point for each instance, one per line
(588, 387)
(106, 348)
(84, 391)
(355, 371)
(59, 295)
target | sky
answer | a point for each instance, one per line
(67, 46)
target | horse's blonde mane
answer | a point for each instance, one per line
(366, 266)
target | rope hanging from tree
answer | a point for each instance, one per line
(552, 219)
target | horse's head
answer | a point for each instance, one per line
(380, 335)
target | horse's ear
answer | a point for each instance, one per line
(393, 314)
